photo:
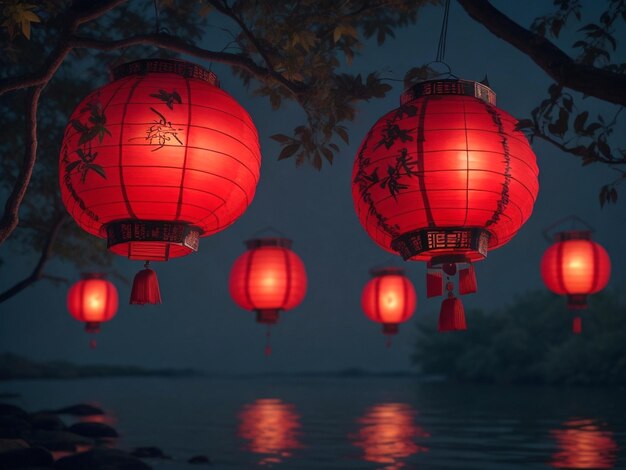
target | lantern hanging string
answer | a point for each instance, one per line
(267, 230)
(157, 19)
(441, 47)
(573, 218)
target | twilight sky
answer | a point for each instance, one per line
(199, 326)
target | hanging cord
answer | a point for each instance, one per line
(441, 47)
(573, 218)
(268, 230)
(157, 19)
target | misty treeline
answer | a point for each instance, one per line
(531, 341)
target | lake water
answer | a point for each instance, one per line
(351, 423)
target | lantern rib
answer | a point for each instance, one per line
(122, 184)
(184, 165)
(467, 169)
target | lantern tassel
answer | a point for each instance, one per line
(577, 325)
(93, 343)
(467, 280)
(268, 346)
(145, 287)
(452, 315)
(434, 282)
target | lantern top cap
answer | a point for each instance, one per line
(449, 87)
(92, 275)
(386, 271)
(268, 241)
(178, 67)
(572, 235)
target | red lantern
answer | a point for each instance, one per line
(92, 300)
(575, 266)
(389, 298)
(156, 159)
(268, 278)
(442, 179)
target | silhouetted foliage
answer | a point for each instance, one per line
(531, 341)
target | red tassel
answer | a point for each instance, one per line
(577, 326)
(467, 280)
(145, 288)
(452, 315)
(434, 284)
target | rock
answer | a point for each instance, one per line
(13, 427)
(58, 440)
(82, 409)
(93, 430)
(200, 459)
(46, 420)
(149, 453)
(23, 458)
(12, 410)
(101, 459)
(10, 444)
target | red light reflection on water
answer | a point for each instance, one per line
(270, 427)
(387, 434)
(583, 444)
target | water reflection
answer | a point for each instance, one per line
(582, 443)
(387, 435)
(271, 427)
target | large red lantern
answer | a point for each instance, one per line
(575, 266)
(156, 159)
(389, 298)
(267, 279)
(443, 179)
(92, 300)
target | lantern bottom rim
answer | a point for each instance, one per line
(92, 327)
(390, 328)
(443, 244)
(267, 316)
(152, 240)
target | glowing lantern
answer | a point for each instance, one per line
(156, 159)
(268, 278)
(575, 266)
(389, 298)
(92, 300)
(443, 179)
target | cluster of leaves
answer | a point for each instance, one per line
(306, 46)
(17, 16)
(557, 119)
(531, 342)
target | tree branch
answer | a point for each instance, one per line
(80, 12)
(176, 44)
(592, 81)
(10, 218)
(43, 259)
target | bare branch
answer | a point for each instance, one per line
(37, 273)
(176, 44)
(10, 218)
(592, 81)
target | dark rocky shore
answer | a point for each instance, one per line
(43, 440)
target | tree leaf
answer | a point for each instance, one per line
(289, 150)
(343, 133)
(282, 138)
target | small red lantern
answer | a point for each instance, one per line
(92, 300)
(268, 278)
(156, 159)
(442, 179)
(389, 298)
(575, 266)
